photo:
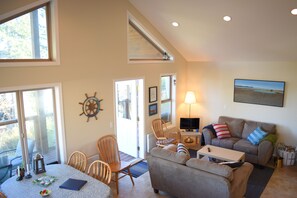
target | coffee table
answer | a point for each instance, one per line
(221, 153)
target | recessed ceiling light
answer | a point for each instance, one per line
(294, 11)
(227, 18)
(175, 24)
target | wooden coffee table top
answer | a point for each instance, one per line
(221, 153)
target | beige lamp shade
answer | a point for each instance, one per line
(190, 97)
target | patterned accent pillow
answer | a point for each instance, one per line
(222, 131)
(256, 136)
(181, 148)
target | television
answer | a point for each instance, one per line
(189, 124)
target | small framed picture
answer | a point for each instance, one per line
(153, 94)
(153, 109)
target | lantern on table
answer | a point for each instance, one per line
(38, 164)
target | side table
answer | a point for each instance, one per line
(191, 139)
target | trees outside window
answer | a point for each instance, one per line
(25, 36)
(167, 97)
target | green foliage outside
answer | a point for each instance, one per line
(18, 40)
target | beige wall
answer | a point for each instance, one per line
(214, 83)
(93, 49)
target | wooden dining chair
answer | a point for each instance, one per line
(78, 160)
(159, 128)
(100, 170)
(2, 195)
(109, 153)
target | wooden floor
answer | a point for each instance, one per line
(283, 183)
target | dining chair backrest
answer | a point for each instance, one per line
(108, 149)
(78, 160)
(158, 126)
(2, 195)
(100, 170)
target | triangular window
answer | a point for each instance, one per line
(25, 36)
(142, 47)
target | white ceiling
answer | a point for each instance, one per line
(260, 30)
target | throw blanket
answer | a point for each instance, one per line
(210, 127)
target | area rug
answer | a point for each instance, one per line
(138, 169)
(257, 180)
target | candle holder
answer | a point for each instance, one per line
(38, 164)
(20, 173)
(28, 175)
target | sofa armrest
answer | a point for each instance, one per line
(208, 135)
(265, 150)
(240, 179)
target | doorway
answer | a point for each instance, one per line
(130, 116)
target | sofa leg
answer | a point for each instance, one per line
(156, 190)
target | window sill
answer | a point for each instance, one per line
(30, 64)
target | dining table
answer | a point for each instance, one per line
(61, 173)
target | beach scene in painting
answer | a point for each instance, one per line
(259, 92)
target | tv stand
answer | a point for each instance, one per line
(191, 139)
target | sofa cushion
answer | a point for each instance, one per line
(256, 136)
(169, 155)
(211, 167)
(222, 131)
(182, 149)
(245, 146)
(235, 126)
(226, 143)
(250, 126)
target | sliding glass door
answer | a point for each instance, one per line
(27, 126)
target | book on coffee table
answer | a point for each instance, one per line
(73, 184)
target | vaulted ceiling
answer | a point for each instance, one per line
(260, 30)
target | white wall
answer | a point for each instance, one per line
(214, 84)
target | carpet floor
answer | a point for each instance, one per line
(258, 180)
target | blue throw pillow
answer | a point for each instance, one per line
(256, 136)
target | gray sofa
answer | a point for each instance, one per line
(240, 129)
(182, 177)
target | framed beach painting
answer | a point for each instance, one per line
(262, 92)
(153, 109)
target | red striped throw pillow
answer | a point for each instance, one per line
(222, 131)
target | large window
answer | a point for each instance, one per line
(142, 46)
(26, 36)
(28, 125)
(167, 98)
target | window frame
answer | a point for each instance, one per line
(52, 32)
(58, 109)
(171, 99)
(131, 20)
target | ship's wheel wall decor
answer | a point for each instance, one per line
(91, 106)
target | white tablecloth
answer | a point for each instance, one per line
(26, 187)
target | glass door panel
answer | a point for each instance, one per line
(40, 124)
(10, 149)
